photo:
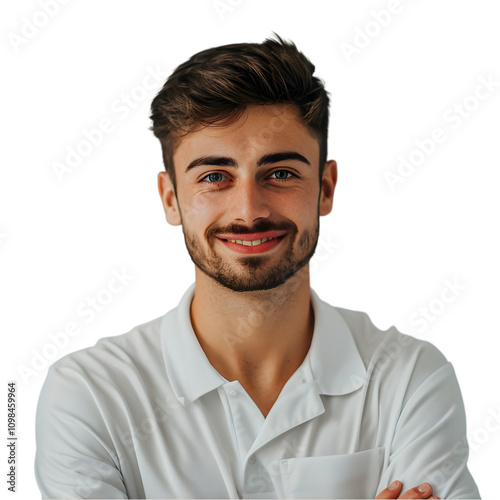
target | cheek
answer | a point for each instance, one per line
(201, 210)
(302, 208)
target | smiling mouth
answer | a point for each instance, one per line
(251, 243)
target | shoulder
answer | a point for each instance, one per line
(392, 358)
(373, 341)
(138, 349)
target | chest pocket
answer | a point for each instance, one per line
(355, 475)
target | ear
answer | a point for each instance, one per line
(328, 183)
(169, 199)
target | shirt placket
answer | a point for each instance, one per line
(246, 420)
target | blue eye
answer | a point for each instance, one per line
(214, 178)
(281, 175)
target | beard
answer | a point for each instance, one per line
(251, 273)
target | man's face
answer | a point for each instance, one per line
(248, 197)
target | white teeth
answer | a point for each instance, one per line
(250, 243)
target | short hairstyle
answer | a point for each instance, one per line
(218, 84)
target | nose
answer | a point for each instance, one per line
(250, 202)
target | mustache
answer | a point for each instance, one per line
(259, 227)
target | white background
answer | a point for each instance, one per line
(386, 252)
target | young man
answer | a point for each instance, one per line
(252, 387)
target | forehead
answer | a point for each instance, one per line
(259, 130)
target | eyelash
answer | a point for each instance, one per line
(290, 176)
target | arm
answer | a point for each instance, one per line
(75, 457)
(429, 442)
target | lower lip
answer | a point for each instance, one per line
(263, 247)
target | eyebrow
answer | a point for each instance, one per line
(225, 161)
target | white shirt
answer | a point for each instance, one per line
(145, 415)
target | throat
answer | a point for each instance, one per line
(264, 398)
(262, 383)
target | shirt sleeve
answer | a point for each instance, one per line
(430, 443)
(75, 457)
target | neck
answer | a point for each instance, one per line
(258, 338)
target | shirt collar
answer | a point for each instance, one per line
(188, 368)
(333, 358)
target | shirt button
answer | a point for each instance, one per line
(232, 392)
(252, 459)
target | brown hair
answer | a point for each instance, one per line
(218, 84)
